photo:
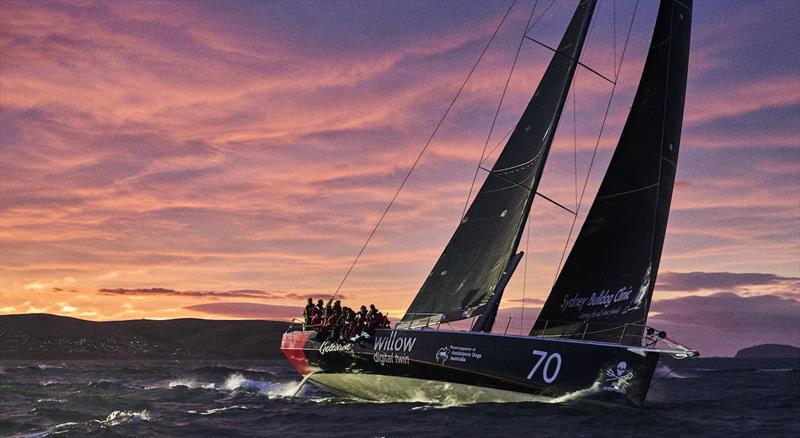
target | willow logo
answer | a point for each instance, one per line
(394, 343)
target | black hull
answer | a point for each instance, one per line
(413, 365)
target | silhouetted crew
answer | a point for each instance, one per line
(374, 319)
(349, 323)
(319, 313)
(336, 320)
(328, 313)
(308, 313)
(359, 321)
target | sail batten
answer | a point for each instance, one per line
(468, 271)
(608, 278)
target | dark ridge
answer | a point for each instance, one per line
(46, 337)
(769, 351)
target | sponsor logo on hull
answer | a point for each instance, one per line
(618, 378)
(455, 353)
(329, 347)
(393, 349)
(394, 343)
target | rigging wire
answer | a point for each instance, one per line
(424, 148)
(614, 30)
(525, 279)
(497, 111)
(575, 135)
(529, 28)
(617, 70)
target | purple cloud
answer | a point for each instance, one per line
(695, 281)
(723, 323)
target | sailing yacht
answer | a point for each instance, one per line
(591, 335)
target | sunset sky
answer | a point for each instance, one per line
(227, 159)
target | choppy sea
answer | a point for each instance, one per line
(697, 397)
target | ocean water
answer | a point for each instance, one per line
(706, 397)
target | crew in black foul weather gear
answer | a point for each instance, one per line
(319, 313)
(335, 323)
(308, 313)
(375, 319)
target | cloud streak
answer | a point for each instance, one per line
(723, 323)
(697, 281)
(239, 310)
(158, 291)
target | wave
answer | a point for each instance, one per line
(237, 382)
(122, 417)
(55, 430)
(218, 410)
(665, 372)
(44, 366)
(51, 400)
(189, 383)
(115, 418)
(578, 395)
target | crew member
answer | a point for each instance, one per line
(319, 313)
(328, 312)
(308, 313)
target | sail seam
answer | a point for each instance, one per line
(500, 175)
(629, 191)
(516, 166)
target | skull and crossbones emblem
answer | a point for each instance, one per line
(618, 378)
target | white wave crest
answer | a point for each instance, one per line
(577, 395)
(55, 430)
(50, 400)
(775, 370)
(190, 383)
(121, 417)
(665, 372)
(218, 410)
(44, 366)
(237, 382)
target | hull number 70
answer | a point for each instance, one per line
(549, 370)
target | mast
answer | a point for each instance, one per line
(608, 278)
(469, 270)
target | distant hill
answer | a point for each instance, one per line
(769, 350)
(43, 336)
